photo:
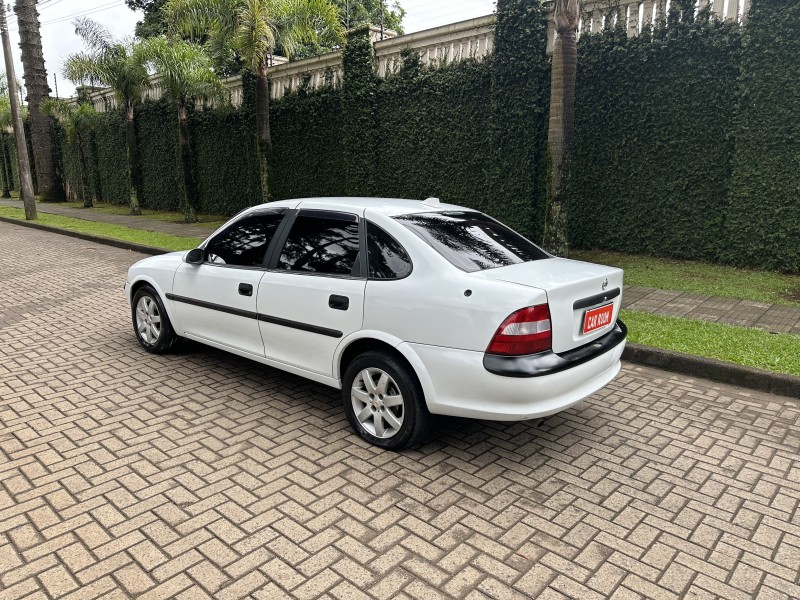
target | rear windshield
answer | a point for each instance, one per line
(471, 240)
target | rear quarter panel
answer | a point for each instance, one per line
(431, 306)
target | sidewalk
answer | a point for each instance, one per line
(198, 230)
(775, 318)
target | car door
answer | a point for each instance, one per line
(313, 293)
(215, 301)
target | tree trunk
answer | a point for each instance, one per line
(189, 189)
(133, 157)
(6, 173)
(35, 75)
(561, 133)
(264, 139)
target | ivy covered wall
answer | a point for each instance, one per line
(687, 138)
(764, 213)
(653, 150)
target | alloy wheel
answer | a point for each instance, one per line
(377, 403)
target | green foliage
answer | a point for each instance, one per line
(112, 161)
(517, 148)
(653, 149)
(764, 215)
(157, 134)
(368, 12)
(152, 25)
(106, 62)
(226, 162)
(307, 141)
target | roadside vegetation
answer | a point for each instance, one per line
(168, 216)
(107, 230)
(700, 277)
(777, 352)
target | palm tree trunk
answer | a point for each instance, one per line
(133, 158)
(49, 184)
(264, 140)
(6, 173)
(189, 189)
(560, 139)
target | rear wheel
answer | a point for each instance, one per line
(384, 401)
(150, 322)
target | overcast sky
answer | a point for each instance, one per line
(59, 39)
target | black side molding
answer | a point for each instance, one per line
(547, 363)
(260, 317)
(301, 326)
(592, 300)
(211, 306)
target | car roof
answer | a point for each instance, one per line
(391, 207)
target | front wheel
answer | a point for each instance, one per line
(150, 322)
(384, 402)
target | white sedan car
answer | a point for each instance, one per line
(411, 308)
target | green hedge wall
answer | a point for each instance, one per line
(306, 136)
(687, 138)
(653, 149)
(112, 165)
(160, 172)
(764, 214)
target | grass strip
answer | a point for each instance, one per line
(108, 230)
(699, 277)
(147, 213)
(776, 352)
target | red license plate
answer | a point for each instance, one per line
(598, 318)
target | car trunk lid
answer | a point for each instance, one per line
(573, 288)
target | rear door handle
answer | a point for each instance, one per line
(339, 302)
(245, 289)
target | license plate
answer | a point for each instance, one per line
(598, 318)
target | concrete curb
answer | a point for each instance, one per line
(88, 237)
(713, 369)
(677, 362)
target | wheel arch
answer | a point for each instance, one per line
(364, 341)
(143, 280)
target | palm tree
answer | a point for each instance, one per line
(48, 183)
(253, 30)
(186, 75)
(561, 132)
(115, 64)
(78, 120)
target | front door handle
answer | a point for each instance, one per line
(339, 302)
(245, 289)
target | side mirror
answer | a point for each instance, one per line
(194, 257)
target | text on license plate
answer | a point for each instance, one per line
(598, 317)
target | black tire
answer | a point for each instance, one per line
(147, 338)
(412, 413)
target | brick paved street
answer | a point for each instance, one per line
(204, 475)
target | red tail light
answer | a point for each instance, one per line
(526, 331)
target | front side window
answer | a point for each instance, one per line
(244, 243)
(387, 258)
(471, 240)
(322, 242)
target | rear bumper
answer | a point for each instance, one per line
(460, 385)
(547, 363)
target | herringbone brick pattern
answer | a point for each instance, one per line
(203, 475)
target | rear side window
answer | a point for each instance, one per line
(387, 258)
(244, 242)
(322, 243)
(471, 240)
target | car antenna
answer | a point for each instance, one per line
(432, 202)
